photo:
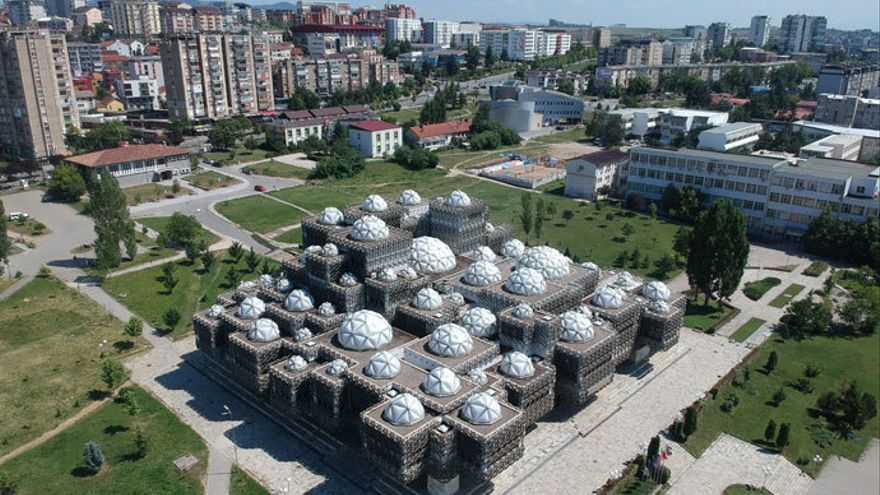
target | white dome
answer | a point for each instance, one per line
(266, 280)
(430, 255)
(408, 273)
(330, 216)
(326, 309)
(427, 299)
(550, 262)
(302, 334)
(458, 198)
(364, 330)
(482, 273)
(299, 300)
(455, 298)
(374, 203)
(585, 311)
(296, 363)
(369, 228)
(656, 291)
(215, 311)
(441, 382)
(517, 365)
(589, 265)
(409, 198)
(526, 282)
(489, 228)
(387, 275)
(660, 307)
(247, 286)
(523, 311)
(481, 409)
(608, 297)
(576, 327)
(479, 322)
(251, 308)
(513, 248)
(348, 279)
(263, 330)
(626, 281)
(329, 249)
(477, 375)
(483, 253)
(382, 365)
(283, 285)
(404, 410)
(450, 340)
(337, 367)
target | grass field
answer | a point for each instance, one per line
(815, 269)
(147, 193)
(756, 290)
(707, 317)
(159, 224)
(242, 484)
(747, 329)
(746, 490)
(49, 357)
(787, 295)
(238, 155)
(209, 179)
(29, 227)
(260, 214)
(56, 466)
(275, 168)
(291, 236)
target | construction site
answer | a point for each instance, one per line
(525, 171)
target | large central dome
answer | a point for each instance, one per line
(374, 203)
(526, 282)
(482, 273)
(369, 228)
(364, 330)
(550, 262)
(450, 340)
(430, 255)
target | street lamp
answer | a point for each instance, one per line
(228, 412)
(101, 346)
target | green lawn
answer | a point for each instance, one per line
(148, 251)
(49, 357)
(815, 269)
(147, 193)
(259, 214)
(241, 155)
(275, 168)
(29, 227)
(209, 179)
(291, 236)
(159, 224)
(404, 114)
(707, 317)
(747, 329)
(745, 490)
(242, 484)
(756, 290)
(56, 466)
(576, 134)
(787, 295)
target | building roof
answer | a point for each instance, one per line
(441, 129)
(604, 157)
(297, 115)
(717, 155)
(373, 126)
(829, 168)
(356, 108)
(327, 112)
(836, 129)
(113, 57)
(124, 154)
(730, 127)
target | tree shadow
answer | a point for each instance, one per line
(96, 394)
(618, 239)
(123, 345)
(82, 472)
(114, 429)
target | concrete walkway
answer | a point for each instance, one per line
(852, 478)
(219, 473)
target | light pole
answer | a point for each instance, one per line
(101, 347)
(227, 412)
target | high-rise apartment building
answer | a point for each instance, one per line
(326, 75)
(37, 100)
(602, 38)
(22, 12)
(524, 44)
(403, 30)
(802, 33)
(85, 58)
(439, 32)
(177, 18)
(63, 8)
(718, 35)
(135, 18)
(759, 30)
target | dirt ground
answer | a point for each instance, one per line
(570, 150)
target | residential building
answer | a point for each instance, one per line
(280, 51)
(731, 136)
(294, 132)
(147, 66)
(128, 48)
(633, 52)
(326, 75)
(437, 136)
(679, 51)
(678, 121)
(177, 18)
(589, 175)
(621, 75)
(439, 32)
(555, 107)
(816, 130)
(551, 78)
(848, 80)
(518, 44)
(85, 102)
(838, 146)
(349, 36)
(37, 97)
(552, 43)
(602, 38)
(375, 138)
(138, 94)
(84, 58)
(759, 30)
(468, 34)
(63, 8)
(110, 105)
(23, 12)
(208, 20)
(87, 17)
(135, 18)
(848, 111)
(135, 164)
(403, 30)
(801, 33)
(718, 35)
(54, 24)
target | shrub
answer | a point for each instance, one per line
(112, 373)
(93, 457)
(134, 327)
(812, 371)
(778, 397)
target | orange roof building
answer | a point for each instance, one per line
(436, 136)
(135, 163)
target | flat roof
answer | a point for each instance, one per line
(830, 169)
(732, 127)
(837, 129)
(717, 155)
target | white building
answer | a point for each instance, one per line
(149, 66)
(319, 44)
(85, 58)
(403, 30)
(439, 32)
(679, 50)
(553, 43)
(555, 107)
(519, 44)
(675, 121)
(586, 176)
(759, 30)
(718, 35)
(730, 136)
(138, 94)
(375, 138)
(468, 34)
(294, 132)
(817, 130)
(840, 147)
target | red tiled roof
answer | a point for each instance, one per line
(355, 108)
(113, 57)
(327, 112)
(441, 129)
(373, 126)
(125, 154)
(297, 115)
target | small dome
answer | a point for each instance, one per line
(656, 291)
(608, 297)
(369, 228)
(330, 216)
(478, 376)
(326, 309)
(483, 253)
(409, 198)
(550, 262)
(427, 299)
(481, 409)
(660, 307)
(364, 330)
(296, 363)
(455, 298)
(526, 282)
(263, 330)
(523, 311)
(430, 255)
(589, 265)
(458, 198)
(382, 365)
(450, 340)
(247, 286)
(329, 249)
(251, 308)
(215, 311)
(626, 281)
(302, 334)
(387, 275)
(337, 367)
(482, 273)
(283, 285)
(517, 365)
(404, 410)
(408, 273)
(374, 203)
(266, 280)
(576, 327)
(585, 311)
(441, 382)
(299, 300)
(513, 248)
(479, 322)
(348, 279)
(489, 228)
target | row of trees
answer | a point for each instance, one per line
(225, 134)
(844, 240)
(683, 204)
(102, 136)
(607, 127)
(448, 98)
(416, 158)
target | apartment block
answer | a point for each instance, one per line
(552, 78)
(326, 75)
(208, 20)
(621, 75)
(138, 94)
(135, 18)
(84, 58)
(87, 17)
(634, 52)
(403, 30)
(519, 44)
(848, 111)
(802, 33)
(759, 30)
(552, 43)
(149, 66)
(177, 19)
(680, 50)
(718, 35)
(439, 32)
(848, 80)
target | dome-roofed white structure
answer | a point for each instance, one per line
(513, 248)
(326, 309)
(523, 311)
(408, 273)
(302, 334)
(455, 298)
(330, 216)
(299, 300)
(251, 308)
(483, 253)
(489, 228)
(329, 249)
(576, 327)
(589, 265)
(382, 365)
(404, 410)
(337, 367)
(427, 299)
(526, 282)
(369, 228)
(608, 297)
(477, 375)
(481, 409)
(387, 275)
(348, 279)
(374, 203)
(283, 285)
(247, 286)
(517, 365)
(267, 280)
(547, 260)
(479, 322)
(364, 330)
(482, 273)
(215, 311)
(458, 198)
(626, 281)
(430, 255)
(441, 382)
(660, 307)
(409, 198)
(656, 291)
(263, 330)
(296, 363)
(450, 340)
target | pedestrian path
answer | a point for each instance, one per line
(219, 472)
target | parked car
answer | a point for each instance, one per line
(259, 188)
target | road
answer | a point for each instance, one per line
(466, 86)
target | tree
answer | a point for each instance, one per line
(416, 158)
(627, 229)
(5, 243)
(857, 407)
(525, 216)
(93, 457)
(539, 217)
(171, 317)
(223, 134)
(236, 251)
(778, 397)
(860, 315)
(8, 486)
(653, 209)
(719, 250)
(472, 57)
(208, 260)
(490, 58)
(653, 449)
(664, 265)
(168, 280)
(613, 131)
(192, 253)
(134, 327)
(770, 431)
(682, 243)
(67, 183)
(828, 404)
(639, 86)
(567, 215)
(232, 278)
(690, 421)
(129, 240)
(132, 407)
(566, 86)
(782, 438)
(252, 261)
(112, 374)
(141, 444)
(177, 129)
(772, 361)
(103, 136)
(109, 211)
(804, 318)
